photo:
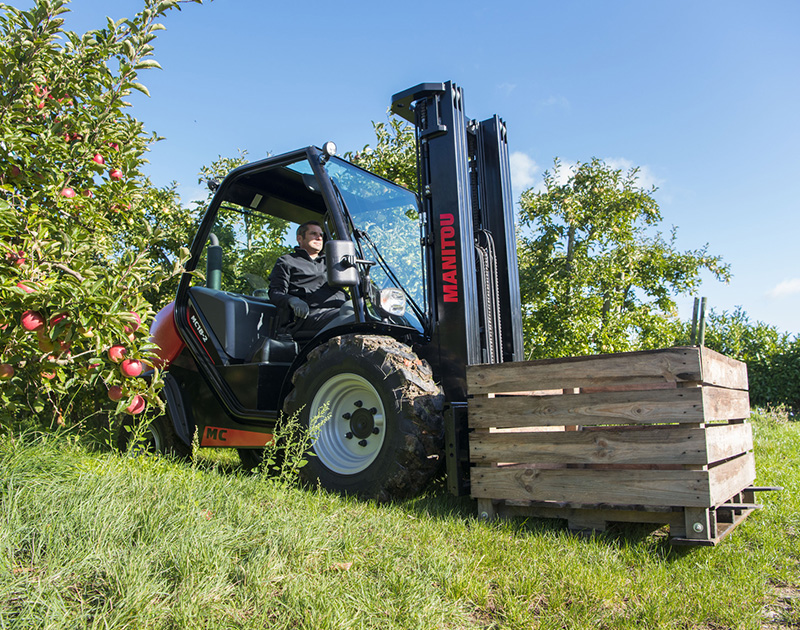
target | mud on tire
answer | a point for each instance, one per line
(384, 435)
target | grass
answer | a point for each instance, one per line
(93, 540)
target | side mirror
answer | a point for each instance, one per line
(340, 257)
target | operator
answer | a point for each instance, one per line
(299, 281)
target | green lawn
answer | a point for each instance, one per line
(107, 541)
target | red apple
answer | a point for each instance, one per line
(115, 392)
(131, 368)
(69, 193)
(114, 146)
(88, 193)
(137, 405)
(26, 288)
(6, 371)
(32, 320)
(57, 318)
(115, 174)
(98, 159)
(116, 353)
(133, 326)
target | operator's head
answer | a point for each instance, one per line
(309, 238)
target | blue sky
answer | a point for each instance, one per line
(703, 96)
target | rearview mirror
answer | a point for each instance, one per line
(340, 257)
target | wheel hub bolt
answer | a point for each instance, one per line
(358, 403)
(373, 411)
(347, 416)
(376, 430)
(362, 443)
(349, 435)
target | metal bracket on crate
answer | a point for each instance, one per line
(456, 436)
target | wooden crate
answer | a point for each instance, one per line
(654, 437)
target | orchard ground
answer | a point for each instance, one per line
(108, 540)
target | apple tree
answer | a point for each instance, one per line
(79, 248)
(596, 275)
(394, 155)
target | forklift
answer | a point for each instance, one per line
(432, 285)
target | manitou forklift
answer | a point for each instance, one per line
(432, 287)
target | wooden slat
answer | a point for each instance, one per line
(652, 445)
(723, 371)
(641, 407)
(639, 487)
(728, 440)
(731, 477)
(654, 366)
(725, 404)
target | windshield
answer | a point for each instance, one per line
(389, 215)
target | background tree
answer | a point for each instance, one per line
(394, 155)
(78, 251)
(594, 274)
(772, 356)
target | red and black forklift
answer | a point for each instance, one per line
(432, 284)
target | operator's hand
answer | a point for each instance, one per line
(299, 307)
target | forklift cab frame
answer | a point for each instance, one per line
(233, 360)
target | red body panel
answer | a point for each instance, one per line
(164, 333)
(218, 436)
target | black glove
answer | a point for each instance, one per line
(299, 307)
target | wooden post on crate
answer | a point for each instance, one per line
(572, 391)
(486, 509)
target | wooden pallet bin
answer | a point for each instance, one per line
(654, 437)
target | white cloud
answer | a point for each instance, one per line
(785, 289)
(646, 177)
(190, 193)
(507, 88)
(555, 101)
(524, 170)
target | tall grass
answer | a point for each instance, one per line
(93, 540)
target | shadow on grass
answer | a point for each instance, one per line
(436, 502)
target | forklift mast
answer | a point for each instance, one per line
(469, 235)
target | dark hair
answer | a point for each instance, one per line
(303, 228)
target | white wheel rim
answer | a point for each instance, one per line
(355, 423)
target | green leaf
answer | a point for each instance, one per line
(141, 88)
(147, 63)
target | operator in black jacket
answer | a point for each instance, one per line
(299, 281)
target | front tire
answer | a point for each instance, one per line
(383, 437)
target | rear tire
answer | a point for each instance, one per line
(159, 438)
(384, 435)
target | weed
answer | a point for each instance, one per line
(290, 447)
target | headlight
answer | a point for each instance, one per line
(393, 302)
